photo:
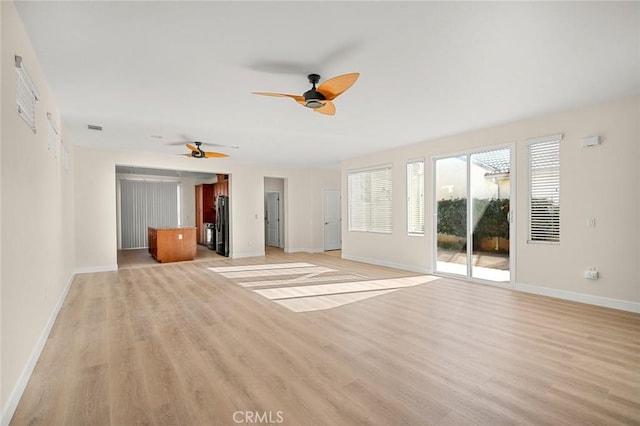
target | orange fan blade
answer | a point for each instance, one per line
(191, 147)
(328, 109)
(211, 154)
(333, 87)
(186, 155)
(297, 98)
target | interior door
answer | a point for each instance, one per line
(272, 219)
(332, 219)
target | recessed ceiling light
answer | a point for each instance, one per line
(94, 127)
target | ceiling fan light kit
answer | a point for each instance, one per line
(320, 99)
(197, 152)
(312, 97)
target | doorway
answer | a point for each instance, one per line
(274, 220)
(474, 239)
(332, 216)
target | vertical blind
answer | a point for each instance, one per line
(415, 197)
(544, 190)
(145, 204)
(369, 195)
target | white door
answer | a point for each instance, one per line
(272, 218)
(332, 219)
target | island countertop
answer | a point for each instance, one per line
(173, 244)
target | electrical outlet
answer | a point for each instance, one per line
(591, 274)
(591, 222)
(179, 236)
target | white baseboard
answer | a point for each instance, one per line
(247, 254)
(395, 265)
(91, 269)
(303, 250)
(14, 398)
(606, 302)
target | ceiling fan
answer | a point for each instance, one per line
(320, 99)
(197, 152)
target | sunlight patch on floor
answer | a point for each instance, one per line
(344, 287)
(309, 278)
(313, 288)
(319, 303)
(221, 269)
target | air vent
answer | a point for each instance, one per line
(94, 127)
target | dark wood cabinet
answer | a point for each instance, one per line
(172, 244)
(205, 209)
(206, 194)
(221, 187)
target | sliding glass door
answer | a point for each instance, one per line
(451, 224)
(472, 219)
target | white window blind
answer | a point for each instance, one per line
(144, 204)
(369, 195)
(26, 94)
(544, 189)
(415, 197)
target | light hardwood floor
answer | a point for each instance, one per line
(180, 344)
(140, 258)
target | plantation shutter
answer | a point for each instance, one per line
(26, 94)
(544, 189)
(415, 197)
(369, 195)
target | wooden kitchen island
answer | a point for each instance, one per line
(172, 244)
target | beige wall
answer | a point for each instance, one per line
(37, 237)
(601, 182)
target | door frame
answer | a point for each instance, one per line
(512, 214)
(266, 206)
(324, 219)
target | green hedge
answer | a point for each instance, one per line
(490, 217)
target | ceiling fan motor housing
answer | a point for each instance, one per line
(312, 97)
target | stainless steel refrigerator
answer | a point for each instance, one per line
(222, 225)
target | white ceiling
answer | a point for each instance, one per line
(185, 70)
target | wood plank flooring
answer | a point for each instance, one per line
(180, 344)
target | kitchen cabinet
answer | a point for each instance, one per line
(205, 209)
(172, 244)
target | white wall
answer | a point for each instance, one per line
(601, 182)
(95, 196)
(37, 240)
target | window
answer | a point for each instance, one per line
(415, 197)
(369, 194)
(26, 94)
(544, 189)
